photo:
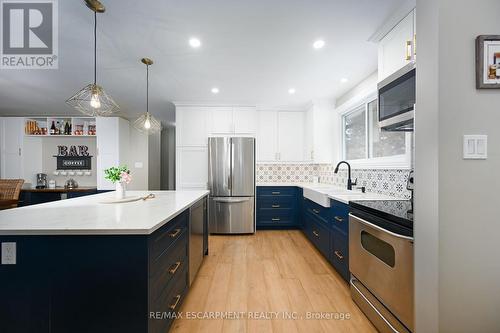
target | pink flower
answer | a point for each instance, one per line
(126, 177)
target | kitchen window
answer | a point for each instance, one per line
(365, 144)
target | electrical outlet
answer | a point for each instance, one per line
(9, 253)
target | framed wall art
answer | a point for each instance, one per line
(488, 62)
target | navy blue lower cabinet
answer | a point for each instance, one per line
(339, 253)
(277, 207)
(96, 283)
(328, 230)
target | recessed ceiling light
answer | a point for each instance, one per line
(344, 80)
(319, 44)
(195, 43)
(215, 90)
(292, 91)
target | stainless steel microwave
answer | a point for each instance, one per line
(396, 100)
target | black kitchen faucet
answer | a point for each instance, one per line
(350, 183)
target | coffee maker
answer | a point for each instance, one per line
(41, 180)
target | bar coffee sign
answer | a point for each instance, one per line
(73, 158)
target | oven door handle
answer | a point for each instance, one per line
(376, 227)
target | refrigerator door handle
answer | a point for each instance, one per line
(231, 165)
(231, 200)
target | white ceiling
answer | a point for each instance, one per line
(253, 50)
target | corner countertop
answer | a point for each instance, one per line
(337, 193)
(88, 216)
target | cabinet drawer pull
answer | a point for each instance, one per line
(177, 299)
(275, 193)
(275, 219)
(175, 233)
(338, 219)
(275, 206)
(315, 233)
(316, 211)
(339, 255)
(174, 268)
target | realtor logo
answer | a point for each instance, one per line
(29, 34)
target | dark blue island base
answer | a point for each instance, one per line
(96, 283)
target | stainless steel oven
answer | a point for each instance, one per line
(396, 99)
(381, 265)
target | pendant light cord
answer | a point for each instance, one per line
(147, 88)
(95, 47)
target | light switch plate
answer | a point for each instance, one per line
(475, 147)
(9, 253)
(138, 165)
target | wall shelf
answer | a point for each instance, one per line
(40, 126)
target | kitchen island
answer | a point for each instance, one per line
(81, 265)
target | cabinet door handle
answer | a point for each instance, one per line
(174, 268)
(177, 299)
(316, 211)
(339, 255)
(276, 219)
(409, 50)
(338, 219)
(315, 233)
(175, 233)
(275, 193)
(275, 206)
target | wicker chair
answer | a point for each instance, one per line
(9, 192)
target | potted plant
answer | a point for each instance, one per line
(120, 176)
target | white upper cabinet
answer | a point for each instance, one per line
(290, 136)
(221, 121)
(320, 127)
(397, 48)
(192, 125)
(232, 121)
(11, 141)
(245, 120)
(267, 136)
(280, 136)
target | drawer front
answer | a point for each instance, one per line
(161, 239)
(277, 216)
(276, 191)
(276, 202)
(339, 256)
(168, 303)
(339, 213)
(320, 236)
(317, 210)
(168, 266)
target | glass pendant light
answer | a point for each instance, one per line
(92, 100)
(147, 123)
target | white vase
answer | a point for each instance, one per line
(120, 190)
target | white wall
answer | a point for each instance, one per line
(49, 162)
(449, 106)
(426, 227)
(154, 161)
(138, 153)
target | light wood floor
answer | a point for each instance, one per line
(271, 271)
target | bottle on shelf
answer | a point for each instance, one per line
(53, 129)
(66, 129)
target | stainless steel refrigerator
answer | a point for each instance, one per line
(231, 181)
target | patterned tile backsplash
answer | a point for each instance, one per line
(282, 173)
(390, 182)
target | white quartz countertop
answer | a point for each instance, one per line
(335, 192)
(87, 216)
